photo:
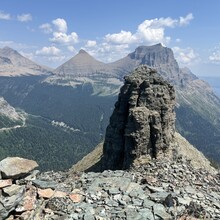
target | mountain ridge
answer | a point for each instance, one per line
(14, 64)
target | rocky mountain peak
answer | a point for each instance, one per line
(14, 64)
(8, 50)
(143, 119)
(81, 51)
(153, 55)
(82, 64)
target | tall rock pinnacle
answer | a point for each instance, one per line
(143, 119)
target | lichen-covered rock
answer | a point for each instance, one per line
(143, 119)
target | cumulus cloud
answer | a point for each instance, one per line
(215, 57)
(60, 25)
(24, 17)
(149, 31)
(4, 16)
(185, 56)
(91, 43)
(108, 52)
(124, 37)
(58, 28)
(71, 49)
(48, 51)
(46, 28)
(186, 20)
(63, 38)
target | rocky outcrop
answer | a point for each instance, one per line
(143, 119)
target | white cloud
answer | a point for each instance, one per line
(108, 52)
(215, 57)
(149, 31)
(30, 56)
(60, 24)
(63, 38)
(186, 20)
(24, 17)
(71, 49)
(185, 56)
(4, 16)
(91, 43)
(46, 28)
(48, 51)
(56, 59)
(124, 37)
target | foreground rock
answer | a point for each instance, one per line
(143, 119)
(160, 189)
(15, 167)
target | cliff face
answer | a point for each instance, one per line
(143, 120)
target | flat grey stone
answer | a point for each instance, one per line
(184, 201)
(154, 189)
(44, 184)
(159, 210)
(159, 196)
(12, 190)
(190, 190)
(114, 191)
(146, 214)
(148, 203)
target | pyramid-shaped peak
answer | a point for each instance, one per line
(7, 51)
(81, 51)
(82, 64)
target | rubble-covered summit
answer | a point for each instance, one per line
(143, 119)
(161, 189)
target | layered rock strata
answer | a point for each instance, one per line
(143, 119)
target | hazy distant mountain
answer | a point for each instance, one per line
(14, 64)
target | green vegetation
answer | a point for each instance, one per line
(52, 147)
(198, 132)
(6, 122)
(57, 148)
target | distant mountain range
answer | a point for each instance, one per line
(75, 100)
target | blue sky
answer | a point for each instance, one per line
(52, 31)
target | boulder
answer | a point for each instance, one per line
(16, 167)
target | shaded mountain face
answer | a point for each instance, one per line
(69, 111)
(14, 64)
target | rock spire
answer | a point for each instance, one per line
(143, 119)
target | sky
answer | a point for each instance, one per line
(50, 32)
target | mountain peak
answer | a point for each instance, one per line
(82, 52)
(14, 64)
(8, 51)
(82, 64)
